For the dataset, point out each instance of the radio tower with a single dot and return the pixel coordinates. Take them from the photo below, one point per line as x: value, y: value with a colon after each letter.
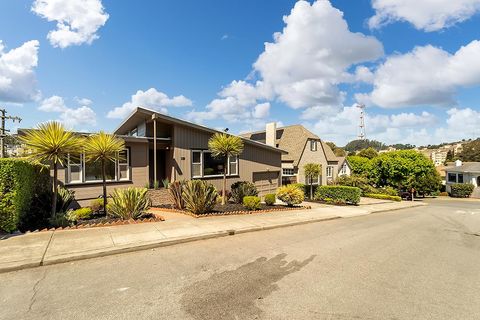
x: 362, y: 135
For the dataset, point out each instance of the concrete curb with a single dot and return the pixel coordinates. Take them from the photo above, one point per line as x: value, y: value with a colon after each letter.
x: 46, y: 260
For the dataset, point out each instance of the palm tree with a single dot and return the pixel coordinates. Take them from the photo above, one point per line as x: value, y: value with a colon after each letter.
x: 224, y: 146
x: 312, y: 170
x: 103, y: 147
x: 51, y: 143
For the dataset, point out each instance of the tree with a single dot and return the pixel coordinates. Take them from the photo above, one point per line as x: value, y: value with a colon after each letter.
x: 425, y: 184
x: 368, y: 153
x: 357, y: 145
x: 360, y: 165
x: 103, y: 148
x: 339, y: 152
x: 471, y: 151
x: 450, y: 156
x: 224, y: 146
x: 312, y: 170
x: 51, y: 143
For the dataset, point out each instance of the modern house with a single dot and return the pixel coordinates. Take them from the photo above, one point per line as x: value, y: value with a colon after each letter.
x: 160, y: 147
x: 464, y: 172
x: 303, y: 147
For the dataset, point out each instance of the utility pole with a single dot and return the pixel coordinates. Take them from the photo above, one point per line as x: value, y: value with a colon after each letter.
x: 362, y: 134
x: 3, y: 131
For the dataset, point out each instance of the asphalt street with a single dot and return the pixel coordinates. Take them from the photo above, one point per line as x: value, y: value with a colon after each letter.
x: 419, y: 263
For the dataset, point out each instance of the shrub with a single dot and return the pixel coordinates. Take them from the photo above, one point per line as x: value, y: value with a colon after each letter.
x: 300, y: 186
x: 200, y: 196
x: 129, y: 203
x: 290, y: 194
x: 228, y: 195
x: 59, y: 220
x: 383, y: 196
x: 389, y: 191
x: 356, y: 180
x: 175, y: 190
x: 242, y: 189
x: 24, y: 195
x: 96, y: 205
x: 461, y: 190
x: 79, y: 214
x: 270, y: 199
x: 251, y: 203
x: 65, y: 198
x: 342, y: 194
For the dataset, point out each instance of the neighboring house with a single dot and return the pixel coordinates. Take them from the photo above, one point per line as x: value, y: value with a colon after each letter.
x: 181, y: 154
x: 344, y: 168
x: 303, y: 147
x: 464, y: 172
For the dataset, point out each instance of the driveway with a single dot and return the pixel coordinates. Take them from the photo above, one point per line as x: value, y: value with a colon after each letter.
x: 418, y: 263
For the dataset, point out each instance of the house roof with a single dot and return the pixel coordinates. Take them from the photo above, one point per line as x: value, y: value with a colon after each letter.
x: 466, y: 167
x: 293, y: 139
x: 342, y: 160
x: 143, y: 114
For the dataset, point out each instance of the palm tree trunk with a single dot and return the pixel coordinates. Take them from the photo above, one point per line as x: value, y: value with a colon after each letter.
x: 311, y: 188
x: 224, y: 181
x: 104, y: 188
x: 54, y: 184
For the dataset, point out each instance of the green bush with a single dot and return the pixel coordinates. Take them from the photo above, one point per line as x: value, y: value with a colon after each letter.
x: 242, y: 189
x: 79, y: 214
x: 383, y: 196
x: 96, y: 205
x: 389, y: 191
x: 290, y: 194
x: 461, y: 190
x: 270, y: 199
x: 341, y: 194
x: 129, y: 203
x: 200, y: 196
x: 24, y: 195
x: 65, y: 198
x: 251, y: 203
x: 175, y: 190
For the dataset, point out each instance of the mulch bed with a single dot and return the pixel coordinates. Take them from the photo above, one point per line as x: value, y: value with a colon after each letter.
x: 233, y: 209
x: 106, y: 222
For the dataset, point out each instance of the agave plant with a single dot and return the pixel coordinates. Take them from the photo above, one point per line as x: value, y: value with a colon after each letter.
x: 200, y: 196
x: 51, y: 143
x: 64, y: 199
x: 175, y: 192
x: 224, y: 146
x: 129, y: 203
x: 103, y: 147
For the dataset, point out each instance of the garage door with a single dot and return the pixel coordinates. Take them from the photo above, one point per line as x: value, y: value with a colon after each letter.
x: 266, y: 182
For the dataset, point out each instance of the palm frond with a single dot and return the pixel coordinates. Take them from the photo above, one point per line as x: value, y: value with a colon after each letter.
x: 103, y: 146
x: 225, y: 145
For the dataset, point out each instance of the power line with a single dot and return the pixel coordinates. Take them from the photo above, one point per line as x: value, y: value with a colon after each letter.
x: 3, y: 131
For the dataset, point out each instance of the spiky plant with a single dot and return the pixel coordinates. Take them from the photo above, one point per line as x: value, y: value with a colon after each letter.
x: 312, y: 170
x: 175, y: 191
x: 50, y: 143
x: 224, y: 146
x: 103, y: 147
x: 129, y: 203
x: 200, y: 196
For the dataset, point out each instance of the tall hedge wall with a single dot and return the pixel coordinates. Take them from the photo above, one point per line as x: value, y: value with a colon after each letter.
x: 24, y: 195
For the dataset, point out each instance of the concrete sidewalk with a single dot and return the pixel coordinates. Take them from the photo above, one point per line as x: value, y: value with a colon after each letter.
x: 50, y: 247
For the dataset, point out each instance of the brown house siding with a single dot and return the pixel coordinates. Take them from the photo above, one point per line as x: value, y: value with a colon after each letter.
x: 252, y: 160
x: 85, y: 192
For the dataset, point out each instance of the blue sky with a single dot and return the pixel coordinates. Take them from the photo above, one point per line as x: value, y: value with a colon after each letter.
x: 89, y: 62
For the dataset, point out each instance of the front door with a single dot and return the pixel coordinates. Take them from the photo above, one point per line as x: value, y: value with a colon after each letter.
x: 161, y: 157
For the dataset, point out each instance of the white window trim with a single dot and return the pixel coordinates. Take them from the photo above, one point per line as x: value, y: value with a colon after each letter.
x: 329, y: 169
x: 313, y: 145
x: 83, y: 170
x: 202, y: 175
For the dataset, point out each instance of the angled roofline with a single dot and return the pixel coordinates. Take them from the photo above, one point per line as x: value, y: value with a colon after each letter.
x: 284, y: 127
x: 192, y: 125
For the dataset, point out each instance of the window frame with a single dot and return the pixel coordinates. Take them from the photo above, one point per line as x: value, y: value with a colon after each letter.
x: 343, y: 170
x: 288, y: 174
x: 452, y: 174
x: 202, y: 161
x: 313, y: 145
x: 329, y: 169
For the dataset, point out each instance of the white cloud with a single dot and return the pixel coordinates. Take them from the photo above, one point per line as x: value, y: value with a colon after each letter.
x: 77, y: 20
x: 53, y: 104
x: 261, y: 110
x: 425, y: 76
x: 83, y: 101
x: 151, y: 99
x: 427, y: 15
x: 460, y: 124
x: 71, y: 117
x: 17, y: 76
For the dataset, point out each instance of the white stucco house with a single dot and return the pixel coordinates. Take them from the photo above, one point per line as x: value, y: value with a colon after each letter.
x: 464, y: 172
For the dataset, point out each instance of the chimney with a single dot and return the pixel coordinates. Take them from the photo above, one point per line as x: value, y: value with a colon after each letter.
x: 271, y: 134
x: 458, y: 163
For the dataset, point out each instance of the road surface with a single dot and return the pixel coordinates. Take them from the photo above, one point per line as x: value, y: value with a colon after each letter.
x: 420, y: 263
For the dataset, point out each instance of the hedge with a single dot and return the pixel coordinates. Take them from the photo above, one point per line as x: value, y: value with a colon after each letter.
x: 383, y: 197
x: 461, y: 190
x: 338, y: 194
x: 24, y: 195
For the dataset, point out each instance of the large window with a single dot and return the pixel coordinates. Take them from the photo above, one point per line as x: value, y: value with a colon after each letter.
x: 205, y: 165
x: 78, y: 171
x: 288, y: 171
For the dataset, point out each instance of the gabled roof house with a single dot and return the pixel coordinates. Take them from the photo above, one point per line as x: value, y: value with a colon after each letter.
x: 160, y: 147
x: 302, y: 147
